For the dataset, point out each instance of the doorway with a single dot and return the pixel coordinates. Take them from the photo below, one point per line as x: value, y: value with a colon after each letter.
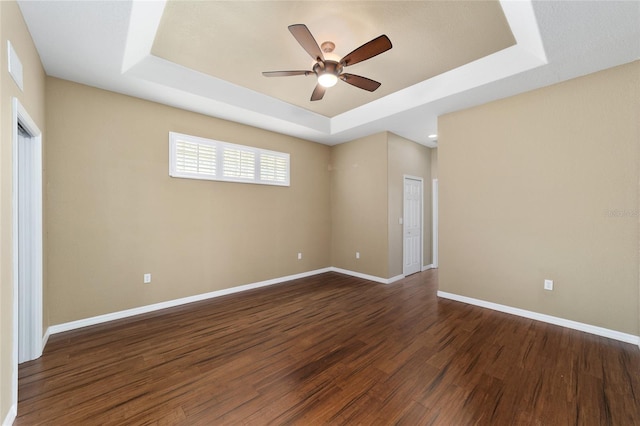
x: 27, y: 239
x: 412, y: 226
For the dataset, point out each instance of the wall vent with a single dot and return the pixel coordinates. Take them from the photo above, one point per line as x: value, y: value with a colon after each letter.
x: 15, y: 66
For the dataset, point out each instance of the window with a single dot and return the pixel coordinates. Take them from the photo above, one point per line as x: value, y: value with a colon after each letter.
x: 199, y: 158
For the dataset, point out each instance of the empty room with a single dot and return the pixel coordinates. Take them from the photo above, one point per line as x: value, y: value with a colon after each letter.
x: 320, y: 212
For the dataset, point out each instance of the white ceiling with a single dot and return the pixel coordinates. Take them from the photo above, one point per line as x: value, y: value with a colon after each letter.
x: 108, y: 44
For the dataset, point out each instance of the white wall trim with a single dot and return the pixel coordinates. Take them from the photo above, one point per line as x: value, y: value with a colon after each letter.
x: 599, y: 331
x: 73, y: 325
x: 11, y: 415
x: 45, y: 338
x: 367, y: 276
x: 59, y: 328
x: 394, y: 279
x: 434, y: 221
x: 427, y: 267
x: 359, y: 275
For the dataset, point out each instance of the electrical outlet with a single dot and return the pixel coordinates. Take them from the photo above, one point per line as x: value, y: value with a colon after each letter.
x: 548, y: 284
x: 357, y: 255
x: 147, y: 278
x: 299, y: 256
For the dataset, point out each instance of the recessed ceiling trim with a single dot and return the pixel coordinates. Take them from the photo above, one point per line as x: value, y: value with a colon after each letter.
x: 143, y: 24
x: 526, y: 54
x: 248, y: 104
x: 495, y: 67
x: 524, y: 26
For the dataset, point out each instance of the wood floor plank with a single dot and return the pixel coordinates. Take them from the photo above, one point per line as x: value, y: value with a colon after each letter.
x: 331, y: 349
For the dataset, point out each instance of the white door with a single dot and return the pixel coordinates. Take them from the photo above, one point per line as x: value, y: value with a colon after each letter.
x: 27, y: 239
x: 412, y: 230
x: 29, y: 248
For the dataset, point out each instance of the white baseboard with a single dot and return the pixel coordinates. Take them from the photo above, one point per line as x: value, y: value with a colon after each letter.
x: 427, y: 267
x: 45, y: 338
x: 599, y: 331
x: 59, y: 328
x: 73, y: 325
x: 11, y: 416
x: 366, y: 276
x: 394, y: 279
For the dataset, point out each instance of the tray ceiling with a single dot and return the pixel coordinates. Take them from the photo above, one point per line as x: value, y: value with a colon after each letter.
x: 236, y: 41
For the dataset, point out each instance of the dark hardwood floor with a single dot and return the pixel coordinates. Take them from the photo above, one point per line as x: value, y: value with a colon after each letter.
x: 331, y: 349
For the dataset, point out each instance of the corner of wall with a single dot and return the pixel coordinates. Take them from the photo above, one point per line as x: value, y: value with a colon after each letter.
x: 359, y: 205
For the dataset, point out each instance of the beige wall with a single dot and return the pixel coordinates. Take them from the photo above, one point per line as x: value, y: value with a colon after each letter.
x: 114, y: 213
x: 13, y: 28
x: 529, y: 190
x: 407, y: 158
x: 359, y: 205
x: 366, y: 202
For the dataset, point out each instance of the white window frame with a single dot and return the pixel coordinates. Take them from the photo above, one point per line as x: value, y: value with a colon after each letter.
x: 219, y: 147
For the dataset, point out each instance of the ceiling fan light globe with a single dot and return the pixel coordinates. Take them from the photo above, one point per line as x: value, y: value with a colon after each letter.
x: 327, y: 80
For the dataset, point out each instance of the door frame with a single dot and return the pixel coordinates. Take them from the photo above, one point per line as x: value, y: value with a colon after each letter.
x: 434, y: 220
x: 34, y: 335
x: 404, y: 179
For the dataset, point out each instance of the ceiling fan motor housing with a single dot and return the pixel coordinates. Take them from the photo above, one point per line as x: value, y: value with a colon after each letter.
x: 327, y: 67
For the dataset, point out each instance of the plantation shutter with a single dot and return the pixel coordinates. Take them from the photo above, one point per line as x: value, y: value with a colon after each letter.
x: 199, y: 158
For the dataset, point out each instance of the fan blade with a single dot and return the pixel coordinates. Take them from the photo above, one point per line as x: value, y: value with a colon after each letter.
x: 306, y: 40
x: 367, y: 51
x: 318, y: 92
x: 285, y: 73
x: 360, y: 82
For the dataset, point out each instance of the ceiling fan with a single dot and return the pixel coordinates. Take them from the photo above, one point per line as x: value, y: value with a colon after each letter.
x: 329, y: 71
